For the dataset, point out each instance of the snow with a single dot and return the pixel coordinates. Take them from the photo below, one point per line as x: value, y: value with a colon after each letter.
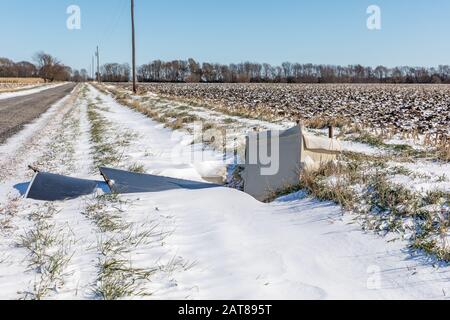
x: 161, y: 151
x: 219, y: 117
x: 221, y: 243
x: 358, y: 147
x: 15, y: 142
x: 425, y: 176
x: 415, y: 144
x: 21, y: 93
x: 238, y: 126
x: 295, y: 249
x: 17, y: 277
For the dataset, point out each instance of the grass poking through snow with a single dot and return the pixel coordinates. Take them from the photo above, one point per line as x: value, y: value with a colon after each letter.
x: 50, y: 252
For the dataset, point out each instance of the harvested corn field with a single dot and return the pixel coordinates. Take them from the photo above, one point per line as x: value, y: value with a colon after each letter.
x: 14, y: 84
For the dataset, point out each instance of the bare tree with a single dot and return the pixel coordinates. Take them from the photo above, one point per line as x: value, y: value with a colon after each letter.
x: 114, y: 72
x: 192, y: 71
x: 50, y: 68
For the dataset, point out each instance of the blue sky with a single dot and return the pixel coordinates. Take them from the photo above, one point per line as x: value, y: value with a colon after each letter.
x: 414, y: 32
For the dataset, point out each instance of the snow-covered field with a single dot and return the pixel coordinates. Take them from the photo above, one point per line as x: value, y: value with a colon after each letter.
x: 405, y: 108
x: 206, y: 244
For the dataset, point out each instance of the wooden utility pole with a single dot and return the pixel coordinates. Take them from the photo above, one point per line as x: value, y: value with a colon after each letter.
x: 330, y: 132
x: 98, y: 66
x: 93, y: 69
x: 134, y: 46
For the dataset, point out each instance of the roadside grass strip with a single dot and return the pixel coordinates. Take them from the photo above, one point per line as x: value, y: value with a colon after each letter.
x: 109, y: 145
x: 50, y: 241
x: 116, y: 240
x: 122, y: 239
x: 50, y: 251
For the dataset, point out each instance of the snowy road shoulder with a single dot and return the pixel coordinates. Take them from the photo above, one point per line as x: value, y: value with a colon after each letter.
x: 27, y: 92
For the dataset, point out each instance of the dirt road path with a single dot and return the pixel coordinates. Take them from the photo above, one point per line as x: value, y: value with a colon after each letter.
x: 16, y: 112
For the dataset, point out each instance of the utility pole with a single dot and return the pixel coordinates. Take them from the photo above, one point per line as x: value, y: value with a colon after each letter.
x: 93, y: 68
x: 134, y: 46
x: 98, y: 67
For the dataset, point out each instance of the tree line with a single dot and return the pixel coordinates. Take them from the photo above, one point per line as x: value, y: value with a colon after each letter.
x: 45, y: 66
x: 51, y: 69
x: 115, y: 72
x: 287, y: 72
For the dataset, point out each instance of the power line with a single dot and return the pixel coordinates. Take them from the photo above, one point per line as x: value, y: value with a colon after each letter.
x: 112, y: 24
x: 108, y: 31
